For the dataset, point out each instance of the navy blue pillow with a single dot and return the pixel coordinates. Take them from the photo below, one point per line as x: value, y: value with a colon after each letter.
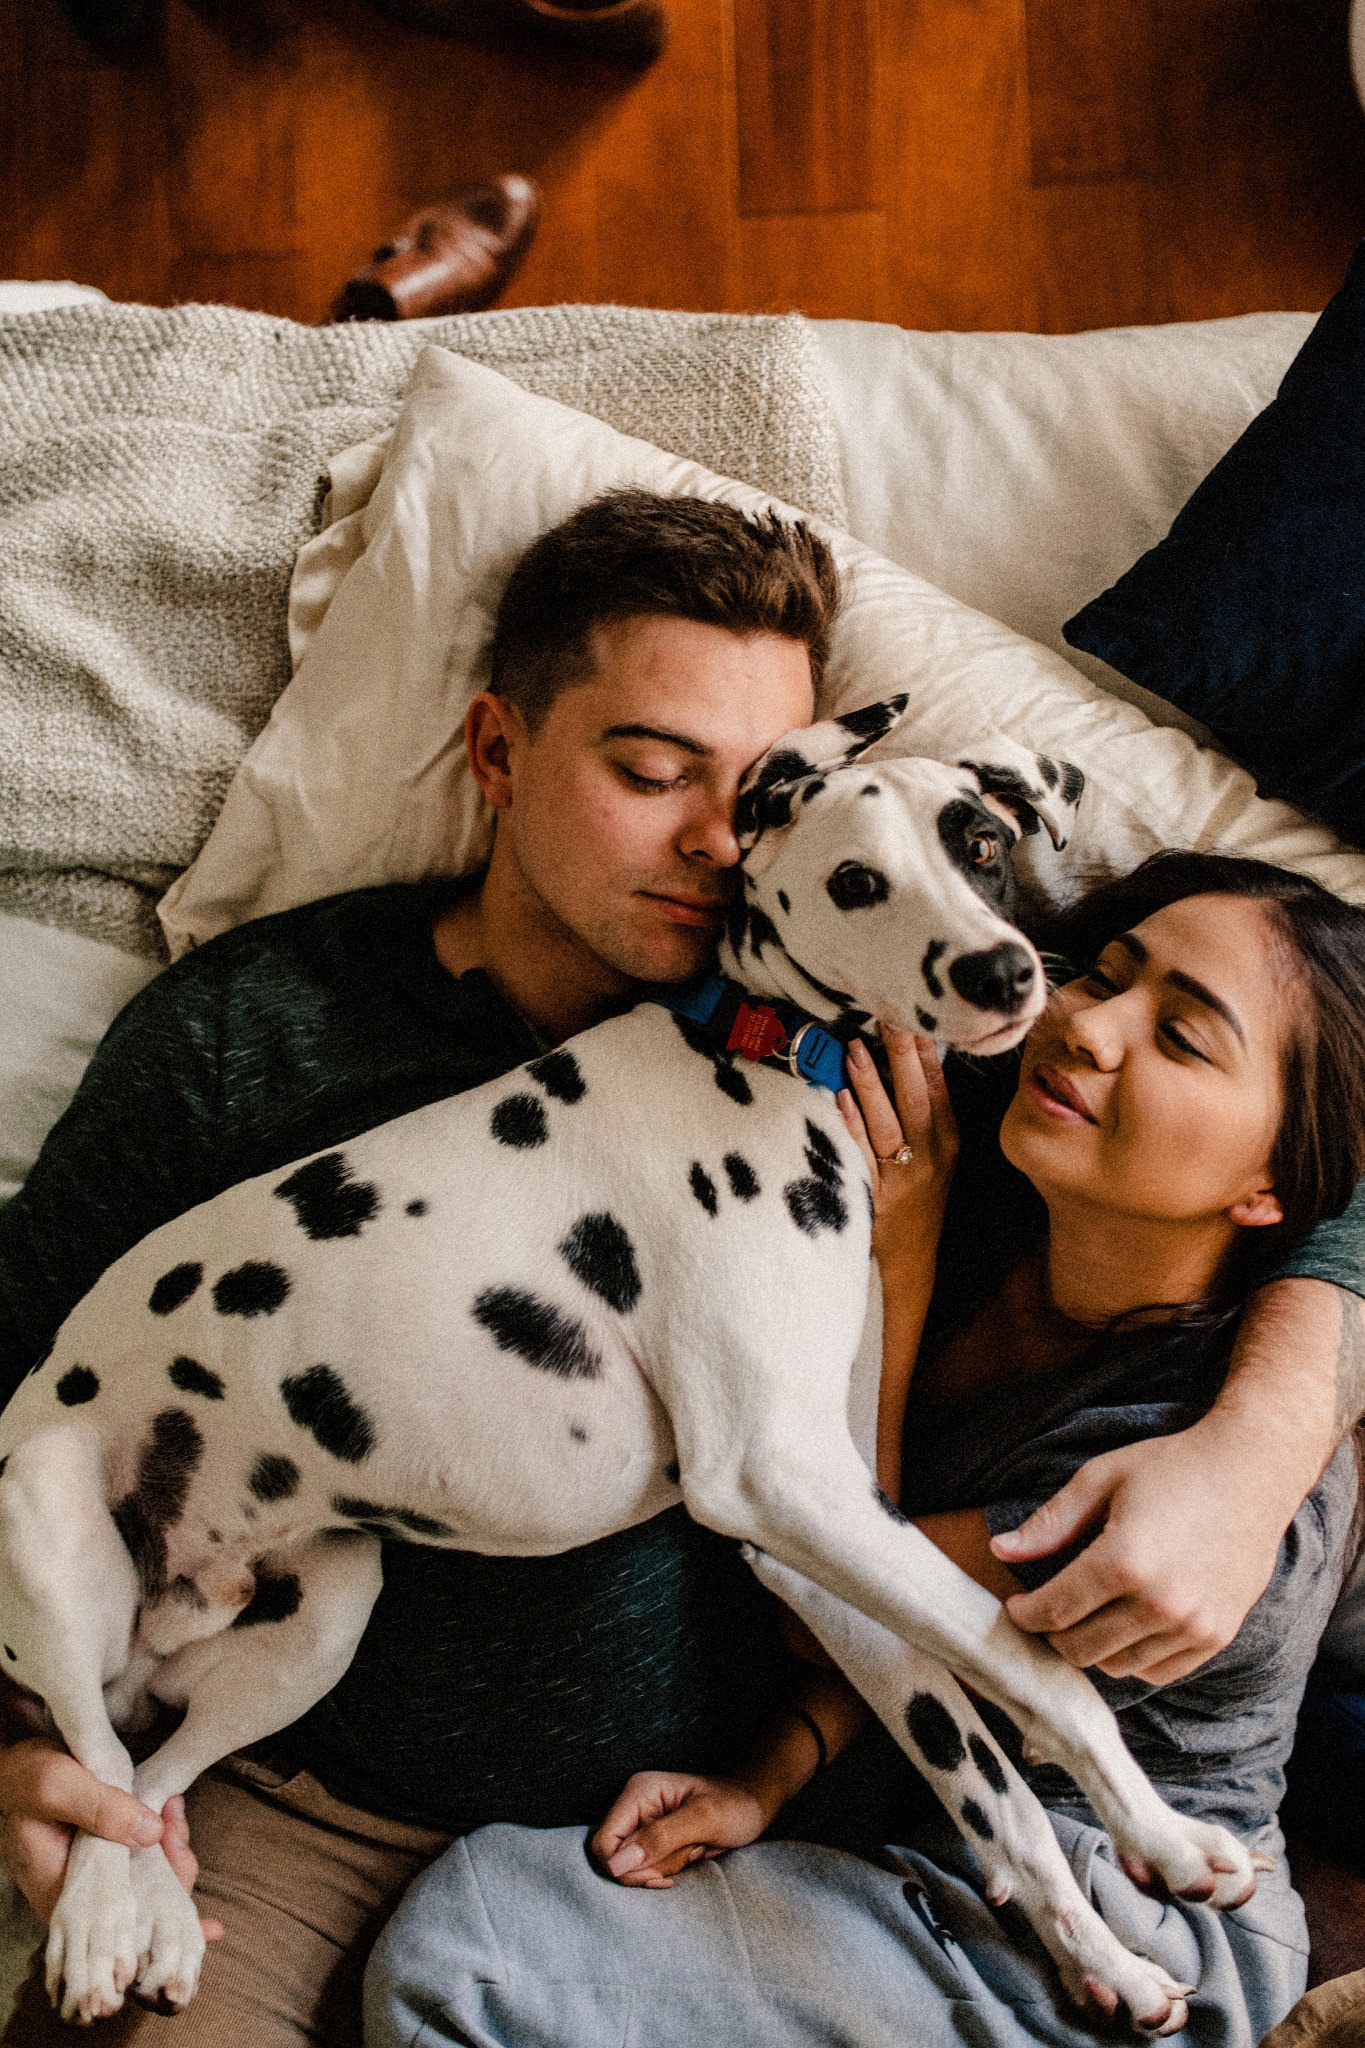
x: 1251, y: 613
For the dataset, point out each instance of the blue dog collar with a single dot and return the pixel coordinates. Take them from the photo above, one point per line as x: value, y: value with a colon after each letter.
x: 761, y: 1028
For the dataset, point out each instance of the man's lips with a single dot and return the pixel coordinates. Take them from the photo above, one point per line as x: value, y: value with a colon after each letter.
x: 691, y: 910
x: 1058, y: 1097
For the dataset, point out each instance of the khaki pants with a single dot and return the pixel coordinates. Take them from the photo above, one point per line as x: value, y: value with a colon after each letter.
x: 1330, y: 2016
x: 302, y: 1883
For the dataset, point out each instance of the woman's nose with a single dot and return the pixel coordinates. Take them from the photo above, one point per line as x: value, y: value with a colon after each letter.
x: 1095, y: 1029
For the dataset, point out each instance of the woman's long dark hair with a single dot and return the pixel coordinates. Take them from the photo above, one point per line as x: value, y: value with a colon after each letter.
x: 1319, y: 1151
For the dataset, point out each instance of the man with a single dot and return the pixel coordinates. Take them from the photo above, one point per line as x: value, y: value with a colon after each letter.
x: 647, y: 652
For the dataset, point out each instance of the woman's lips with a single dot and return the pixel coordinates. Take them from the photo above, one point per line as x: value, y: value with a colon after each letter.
x: 1056, y: 1097
x: 687, y: 909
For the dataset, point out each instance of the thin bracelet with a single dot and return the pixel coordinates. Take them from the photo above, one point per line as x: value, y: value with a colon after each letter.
x: 814, y: 1727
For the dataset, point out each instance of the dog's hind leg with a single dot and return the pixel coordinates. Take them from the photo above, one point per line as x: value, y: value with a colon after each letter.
x: 278, y: 1658
x: 68, y: 1600
x: 934, y: 1722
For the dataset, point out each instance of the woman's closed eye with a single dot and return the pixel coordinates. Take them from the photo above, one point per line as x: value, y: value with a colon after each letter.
x: 1175, y: 1036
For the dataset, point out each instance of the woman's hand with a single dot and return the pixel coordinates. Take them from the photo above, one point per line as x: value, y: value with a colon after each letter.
x: 665, y: 1820
x: 908, y: 1195
x: 45, y: 1796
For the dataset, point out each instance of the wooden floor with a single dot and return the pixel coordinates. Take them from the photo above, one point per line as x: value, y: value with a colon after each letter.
x: 1047, y: 164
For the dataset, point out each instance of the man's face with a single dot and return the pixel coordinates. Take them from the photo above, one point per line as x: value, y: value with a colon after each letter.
x: 621, y: 806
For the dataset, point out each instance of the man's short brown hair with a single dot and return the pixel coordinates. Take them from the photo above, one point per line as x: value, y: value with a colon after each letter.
x: 632, y: 554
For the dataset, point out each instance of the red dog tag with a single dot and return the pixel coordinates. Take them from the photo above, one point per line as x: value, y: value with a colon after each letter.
x: 756, y: 1031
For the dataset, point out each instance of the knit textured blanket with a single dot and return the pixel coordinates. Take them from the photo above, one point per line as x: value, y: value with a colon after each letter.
x: 159, y: 472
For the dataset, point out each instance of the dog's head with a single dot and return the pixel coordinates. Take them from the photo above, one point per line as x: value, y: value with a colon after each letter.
x: 885, y: 889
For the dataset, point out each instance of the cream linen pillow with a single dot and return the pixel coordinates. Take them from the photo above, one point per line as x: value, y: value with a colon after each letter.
x: 360, y: 776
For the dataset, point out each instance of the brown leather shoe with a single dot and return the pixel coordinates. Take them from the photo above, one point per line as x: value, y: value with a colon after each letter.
x: 453, y: 257
x: 628, y: 31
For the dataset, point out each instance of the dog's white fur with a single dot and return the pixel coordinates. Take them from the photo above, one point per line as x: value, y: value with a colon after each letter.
x: 496, y: 1322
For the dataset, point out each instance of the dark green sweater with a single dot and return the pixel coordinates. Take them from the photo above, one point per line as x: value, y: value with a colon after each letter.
x: 485, y: 1688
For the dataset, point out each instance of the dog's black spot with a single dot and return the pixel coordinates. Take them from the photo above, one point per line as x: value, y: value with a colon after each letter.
x: 785, y: 900
x: 855, y: 886
x: 737, y: 922
x: 703, y: 1188
x: 328, y: 1200
x: 870, y: 721
x: 935, y: 1733
x: 600, y: 1254
x: 560, y: 1075
x: 988, y: 1763
x: 933, y: 953
x: 193, y: 1378
x: 277, y: 1596
x: 273, y: 1477
x: 3, y: 1462
x: 538, y: 1332
x: 77, y: 1385
x: 870, y: 789
x: 979, y: 847
x: 519, y: 1121
x: 741, y: 1176
x: 728, y: 1079
x: 1073, y: 783
x: 673, y: 1471
x: 174, y: 1289
x: 815, y: 1206
x: 417, y: 1208
x: 975, y: 1819
x: 926, y: 1019
x: 578, y: 1433
x: 762, y: 931
x: 1047, y: 768
x: 763, y: 803
x: 731, y: 1082
x: 13, y: 1655
x: 382, y: 1521
x: 256, y: 1288
x: 888, y: 1506
x: 822, y: 1155
x: 166, y: 1463
x: 814, y: 788
x: 1009, y: 784
x: 318, y: 1401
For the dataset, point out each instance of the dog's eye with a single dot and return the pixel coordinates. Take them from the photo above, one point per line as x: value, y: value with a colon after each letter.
x: 855, y: 887
x: 982, y: 849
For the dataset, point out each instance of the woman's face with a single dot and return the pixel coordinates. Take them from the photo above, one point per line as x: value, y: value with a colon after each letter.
x: 1152, y: 1086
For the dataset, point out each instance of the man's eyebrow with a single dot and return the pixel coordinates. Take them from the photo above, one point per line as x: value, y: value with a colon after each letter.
x: 1177, y: 977
x: 656, y: 732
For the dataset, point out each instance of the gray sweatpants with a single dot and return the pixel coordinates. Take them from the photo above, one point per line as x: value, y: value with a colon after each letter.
x: 512, y: 1940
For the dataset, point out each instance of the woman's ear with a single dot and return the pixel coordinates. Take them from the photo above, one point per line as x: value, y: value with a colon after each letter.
x: 1257, y: 1210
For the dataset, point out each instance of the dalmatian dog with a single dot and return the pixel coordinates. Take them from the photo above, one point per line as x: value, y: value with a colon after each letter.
x: 502, y: 1323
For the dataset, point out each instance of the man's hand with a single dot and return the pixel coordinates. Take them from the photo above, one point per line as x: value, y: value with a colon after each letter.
x: 1189, y: 1526
x: 45, y: 1795
x: 665, y: 1820
x: 1186, y: 1545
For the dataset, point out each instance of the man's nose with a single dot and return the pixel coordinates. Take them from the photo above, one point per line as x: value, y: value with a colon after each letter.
x: 710, y: 836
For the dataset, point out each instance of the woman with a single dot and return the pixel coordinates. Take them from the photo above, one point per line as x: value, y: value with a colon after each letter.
x: 1184, y: 1112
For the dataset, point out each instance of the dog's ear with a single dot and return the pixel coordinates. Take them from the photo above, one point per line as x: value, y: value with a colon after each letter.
x: 797, y: 761
x: 1034, y: 788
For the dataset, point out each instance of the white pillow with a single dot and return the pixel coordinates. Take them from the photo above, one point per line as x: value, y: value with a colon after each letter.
x: 360, y: 776
x: 62, y: 994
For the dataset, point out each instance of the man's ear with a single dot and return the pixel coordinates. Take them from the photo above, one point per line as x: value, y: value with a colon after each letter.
x: 1258, y: 1210
x: 771, y: 787
x: 1033, y: 787
x: 492, y: 729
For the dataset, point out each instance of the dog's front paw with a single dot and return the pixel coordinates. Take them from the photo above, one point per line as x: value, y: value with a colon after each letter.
x: 170, y: 1939
x: 1195, y: 1860
x: 1154, y: 2001
x: 92, y: 1945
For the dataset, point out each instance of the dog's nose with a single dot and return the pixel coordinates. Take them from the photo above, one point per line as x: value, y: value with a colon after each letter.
x: 1001, y: 979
